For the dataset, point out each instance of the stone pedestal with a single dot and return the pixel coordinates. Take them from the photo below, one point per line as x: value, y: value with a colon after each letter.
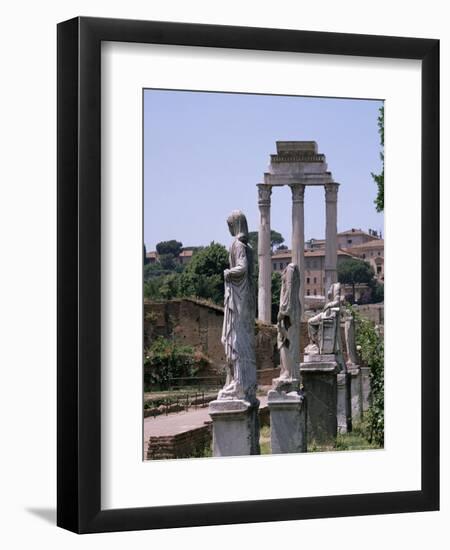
x: 344, y: 416
x: 365, y: 388
x: 287, y: 419
x: 235, y: 427
x: 319, y: 378
x: 356, y: 400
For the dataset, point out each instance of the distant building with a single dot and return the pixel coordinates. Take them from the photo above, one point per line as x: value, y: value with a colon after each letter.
x: 152, y: 257
x: 346, y: 239
x: 372, y: 252
x: 184, y: 257
x: 314, y: 267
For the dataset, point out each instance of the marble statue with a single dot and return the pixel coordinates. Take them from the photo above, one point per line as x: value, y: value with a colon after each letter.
x: 323, y: 328
x: 288, y: 325
x: 350, y: 342
x: 238, y: 333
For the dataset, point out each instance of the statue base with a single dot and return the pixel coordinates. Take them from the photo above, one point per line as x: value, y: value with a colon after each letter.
x: 344, y: 414
x: 354, y: 372
x: 287, y: 421
x: 319, y: 378
x: 235, y: 427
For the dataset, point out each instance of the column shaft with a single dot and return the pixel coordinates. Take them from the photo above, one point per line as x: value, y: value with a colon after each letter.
x: 331, y: 191
x: 264, y: 255
x: 298, y: 236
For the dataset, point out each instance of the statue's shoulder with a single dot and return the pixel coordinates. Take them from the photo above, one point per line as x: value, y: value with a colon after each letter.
x: 238, y: 245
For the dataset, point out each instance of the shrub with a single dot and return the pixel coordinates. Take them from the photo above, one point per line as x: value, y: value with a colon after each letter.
x: 372, y: 353
x: 165, y: 360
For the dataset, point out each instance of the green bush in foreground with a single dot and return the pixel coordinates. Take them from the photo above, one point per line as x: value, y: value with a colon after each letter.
x: 166, y: 360
x: 371, y: 349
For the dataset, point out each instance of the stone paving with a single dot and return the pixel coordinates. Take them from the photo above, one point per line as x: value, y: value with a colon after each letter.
x: 175, y: 423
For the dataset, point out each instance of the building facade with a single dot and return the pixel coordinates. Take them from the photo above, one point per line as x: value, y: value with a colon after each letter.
x: 373, y: 253
x: 314, y: 267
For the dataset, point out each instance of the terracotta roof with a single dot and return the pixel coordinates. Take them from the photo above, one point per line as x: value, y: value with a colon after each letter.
x: 186, y: 253
x: 356, y: 232
x: 151, y: 254
x: 377, y: 243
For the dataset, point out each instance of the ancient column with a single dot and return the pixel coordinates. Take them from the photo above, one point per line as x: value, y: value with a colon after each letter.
x: 298, y: 236
x: 264, y: 255
x: 331, y: 190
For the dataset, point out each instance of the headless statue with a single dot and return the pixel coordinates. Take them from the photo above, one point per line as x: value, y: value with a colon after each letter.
x: 288, y: 325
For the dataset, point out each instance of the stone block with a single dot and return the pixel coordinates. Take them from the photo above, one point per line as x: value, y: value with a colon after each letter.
x: 319, y: 378
x: 356, y: 399
x: 287, y: 422
x: 344, y: 416
x: 235, y: 427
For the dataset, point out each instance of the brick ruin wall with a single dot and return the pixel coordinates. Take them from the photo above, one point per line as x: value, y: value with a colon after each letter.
x: 199, y: 324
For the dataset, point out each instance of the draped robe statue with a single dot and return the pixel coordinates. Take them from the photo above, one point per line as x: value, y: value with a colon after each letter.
x: 288, y: 325
x: 238, y: 333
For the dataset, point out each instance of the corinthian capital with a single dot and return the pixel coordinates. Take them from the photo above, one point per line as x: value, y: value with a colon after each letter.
x: 331, y: 191
x: 298, y: 192
x: 264, y: 192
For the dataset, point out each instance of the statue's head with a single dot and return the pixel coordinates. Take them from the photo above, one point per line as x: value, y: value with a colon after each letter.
x: 237, y: 224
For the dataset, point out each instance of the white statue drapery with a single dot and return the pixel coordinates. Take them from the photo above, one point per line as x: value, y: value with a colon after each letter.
x: 238, y: 333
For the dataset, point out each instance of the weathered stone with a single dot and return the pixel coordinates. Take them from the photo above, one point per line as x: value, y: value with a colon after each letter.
x: 366, y: 389
x: 235, y: 412
x: 288, y: 323
x: 344, y: 415
x: 331, y: 190
x: 319, y: 379
x: 350, y: 340
x: 287, y: 422
x: 296, y: 164
x: 356, y: 393
x: 298, y: 236
x: 235, y: 427
x: 264, y: 255
x: 238, y: 334
x: 324, y: 328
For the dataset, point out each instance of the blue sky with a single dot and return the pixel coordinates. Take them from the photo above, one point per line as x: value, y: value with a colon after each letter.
x: 205, y: 152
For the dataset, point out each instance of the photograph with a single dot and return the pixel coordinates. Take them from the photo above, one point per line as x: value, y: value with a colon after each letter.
x: 263, y: 274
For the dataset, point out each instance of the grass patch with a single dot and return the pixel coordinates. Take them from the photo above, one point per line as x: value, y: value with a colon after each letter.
x: 264, y: 440
x: 352, y: 441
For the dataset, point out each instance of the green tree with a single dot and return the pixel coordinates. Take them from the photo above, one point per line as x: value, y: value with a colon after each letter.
x: 276, y: 239
x: 203, y: 276
x: 170, y: 286
x: 353, y: 271
x: 146, y: 260
x: 276, y: 289
x: 169, y: 247
x: 379, y: 178
x: 167, y: 261
x: 378, y: 293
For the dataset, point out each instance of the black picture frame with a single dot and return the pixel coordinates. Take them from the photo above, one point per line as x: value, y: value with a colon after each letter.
x: 79, y: 276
